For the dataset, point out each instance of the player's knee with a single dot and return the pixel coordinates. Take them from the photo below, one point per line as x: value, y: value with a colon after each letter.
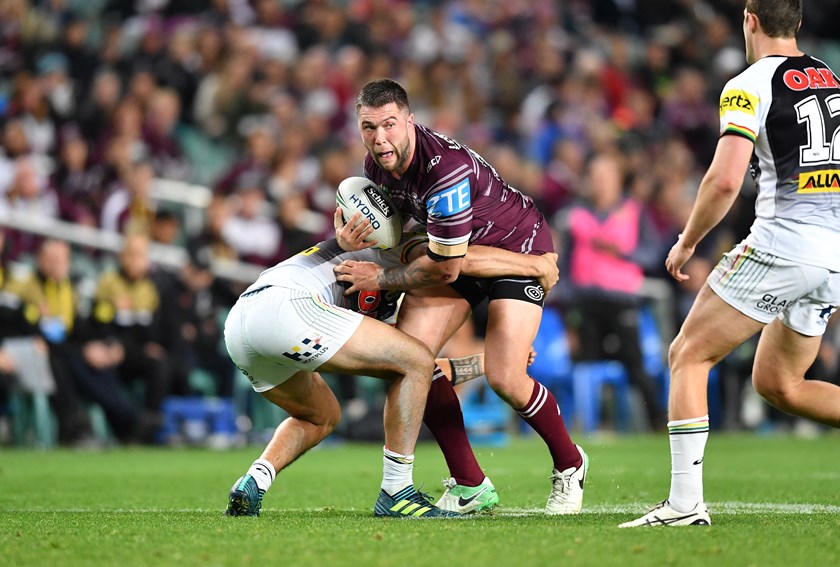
x: 775, y: 394
x: 328, y: 418
x: 502, y: 383
x: 415, y: 355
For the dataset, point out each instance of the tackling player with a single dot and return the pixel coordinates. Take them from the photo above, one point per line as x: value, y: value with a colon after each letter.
x: 461, y: 200
x: 781, y: 116
x: 295, y: 321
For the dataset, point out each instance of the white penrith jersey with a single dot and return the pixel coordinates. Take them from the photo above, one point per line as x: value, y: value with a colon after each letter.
x: 312, y: 271
x: 790, y: 108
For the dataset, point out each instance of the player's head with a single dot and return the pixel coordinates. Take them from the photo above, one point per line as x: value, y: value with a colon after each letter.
x: 386, y: 124
x: 776, y: 19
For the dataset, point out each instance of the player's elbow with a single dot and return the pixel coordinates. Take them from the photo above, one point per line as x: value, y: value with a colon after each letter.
x: 724, y: 183
x: 448, y: 271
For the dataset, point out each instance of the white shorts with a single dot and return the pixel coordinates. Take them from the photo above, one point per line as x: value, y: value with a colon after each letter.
x: 273, y: 332
x: 765, y: 287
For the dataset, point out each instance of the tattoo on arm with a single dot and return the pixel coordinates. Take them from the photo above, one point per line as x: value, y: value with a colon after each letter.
x: 409, y: 277
x: 467, y: 368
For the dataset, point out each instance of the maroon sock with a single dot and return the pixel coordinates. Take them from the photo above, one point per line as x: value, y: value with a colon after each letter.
x: 543, y: 414
x: 444, y: 419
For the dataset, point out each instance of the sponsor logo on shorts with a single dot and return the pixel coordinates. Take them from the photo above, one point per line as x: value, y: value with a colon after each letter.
x: 738, y: 101
x: 771, y: 303
x: 307, y: 351
x: 534, y: 292
x: 378, y: 201
x: 825, y: 314
x: 449, y: 201
x: 823, y: 181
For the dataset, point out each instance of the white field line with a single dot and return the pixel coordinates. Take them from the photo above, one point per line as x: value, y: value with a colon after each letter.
x: 730, y: 508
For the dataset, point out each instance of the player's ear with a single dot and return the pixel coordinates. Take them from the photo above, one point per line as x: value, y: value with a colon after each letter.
x: 410, y: 120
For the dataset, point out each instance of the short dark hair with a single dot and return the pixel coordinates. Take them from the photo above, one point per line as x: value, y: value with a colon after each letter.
x: 380, y: 92
x: 778, y: 18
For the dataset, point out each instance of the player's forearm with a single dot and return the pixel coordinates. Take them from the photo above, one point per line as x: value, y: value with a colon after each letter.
x: 488, y: 262
x: 714, y: 199
x: 422, y: 272
x: 466, y: 368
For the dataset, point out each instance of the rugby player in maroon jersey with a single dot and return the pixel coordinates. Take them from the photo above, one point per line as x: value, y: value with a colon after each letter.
x: 461, y: 200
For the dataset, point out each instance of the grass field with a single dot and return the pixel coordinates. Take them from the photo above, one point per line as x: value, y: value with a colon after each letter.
x: 773, y: 500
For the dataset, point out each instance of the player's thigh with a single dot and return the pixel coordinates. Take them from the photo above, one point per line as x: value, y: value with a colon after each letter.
x: 432, y: 315
x: 379, y: 350
x: 511, y: 328
x: 712, y: 329
x: 789, y: 345
x: 306, y: 396
x: 782, y: 358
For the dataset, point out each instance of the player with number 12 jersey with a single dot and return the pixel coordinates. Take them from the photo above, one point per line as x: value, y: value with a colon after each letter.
x: 790, y: 108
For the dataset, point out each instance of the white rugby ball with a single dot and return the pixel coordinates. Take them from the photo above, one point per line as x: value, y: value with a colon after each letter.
x: 359, y: 194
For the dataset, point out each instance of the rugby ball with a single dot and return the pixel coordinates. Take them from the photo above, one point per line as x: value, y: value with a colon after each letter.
x: 359, y: 194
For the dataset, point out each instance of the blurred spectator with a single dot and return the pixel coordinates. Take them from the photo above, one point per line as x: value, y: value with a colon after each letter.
x: 159, y: 134
x: 43, y: 305
x: 126, y: 316
x: 256, y: 163
x: 212, y: 239
x: 130, y: 207
x: 250, y: 231
x: 193, y: 304
x: 31, y: 197
x: 609, y: 245
x: 78, y: 186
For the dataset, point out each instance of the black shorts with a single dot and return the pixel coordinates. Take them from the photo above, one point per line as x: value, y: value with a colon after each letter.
x: 475, y: 290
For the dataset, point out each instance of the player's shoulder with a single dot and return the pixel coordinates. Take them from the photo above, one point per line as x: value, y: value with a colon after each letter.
x: 757, y: 75
x: 438, y: 155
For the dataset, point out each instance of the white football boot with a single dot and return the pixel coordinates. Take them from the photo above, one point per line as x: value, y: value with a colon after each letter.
x: 468, y: 499
x: 663, y: 515
x: 567, y: 488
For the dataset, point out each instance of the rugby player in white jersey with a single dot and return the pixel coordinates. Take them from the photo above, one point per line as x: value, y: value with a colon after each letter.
x: 295, y: 321
x: 781, y: 117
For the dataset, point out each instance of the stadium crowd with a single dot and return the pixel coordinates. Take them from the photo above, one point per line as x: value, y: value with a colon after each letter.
x: 254, y: 99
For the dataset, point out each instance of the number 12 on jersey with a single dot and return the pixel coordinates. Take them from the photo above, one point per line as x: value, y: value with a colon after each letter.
x: 820, y: 149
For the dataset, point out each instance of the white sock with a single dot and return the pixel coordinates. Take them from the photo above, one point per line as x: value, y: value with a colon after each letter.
x: 396, y: 471
x: 264, y: 473
x: 688, y: 443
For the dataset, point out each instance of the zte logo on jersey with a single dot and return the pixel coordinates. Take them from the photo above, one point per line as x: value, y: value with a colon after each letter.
x: 739, y: 101
x: 810, y: 78
x: 450, y: 201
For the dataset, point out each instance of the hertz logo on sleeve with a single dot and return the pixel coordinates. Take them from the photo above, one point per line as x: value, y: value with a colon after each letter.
x: 823, y: 181
x: 738, y: 101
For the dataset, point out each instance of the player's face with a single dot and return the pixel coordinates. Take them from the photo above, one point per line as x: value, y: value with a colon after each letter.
x: 386, y: 133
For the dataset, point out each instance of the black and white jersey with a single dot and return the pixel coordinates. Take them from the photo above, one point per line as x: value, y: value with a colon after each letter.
x: 790, y: 108
x: 312, y: 270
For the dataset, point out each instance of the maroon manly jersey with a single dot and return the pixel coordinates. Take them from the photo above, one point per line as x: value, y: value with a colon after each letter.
x: 461, y: 200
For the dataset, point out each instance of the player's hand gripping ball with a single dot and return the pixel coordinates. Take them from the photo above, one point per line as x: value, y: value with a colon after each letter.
x: 359, y: 194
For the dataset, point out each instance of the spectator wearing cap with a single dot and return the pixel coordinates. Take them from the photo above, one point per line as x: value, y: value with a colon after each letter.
x: 56, y: 84
x: 192, y: 300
